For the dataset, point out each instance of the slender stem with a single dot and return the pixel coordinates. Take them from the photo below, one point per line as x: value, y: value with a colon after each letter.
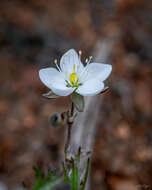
x: 72, y: 109
x: 68, y: 139
x: 69, y: 125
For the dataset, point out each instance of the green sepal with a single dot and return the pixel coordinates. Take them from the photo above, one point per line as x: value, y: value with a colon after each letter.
x: 104, y: 90
x: 50, y: 95
x: 78, y: 101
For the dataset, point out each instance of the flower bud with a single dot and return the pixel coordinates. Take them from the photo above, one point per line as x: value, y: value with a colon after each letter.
x: 56, y: 120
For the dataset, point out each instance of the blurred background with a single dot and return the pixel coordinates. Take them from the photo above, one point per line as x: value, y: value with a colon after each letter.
x: 35, y: 32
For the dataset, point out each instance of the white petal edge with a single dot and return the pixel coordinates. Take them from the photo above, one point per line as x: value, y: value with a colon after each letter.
x: 62, y: 92
x: 69, y: 59
x: 90, y: 88
x: 54, y: 80
x: 98, y: 70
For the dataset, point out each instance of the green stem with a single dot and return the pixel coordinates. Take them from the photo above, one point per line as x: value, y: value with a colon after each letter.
x: 69, y: 125
x: 72, y: 109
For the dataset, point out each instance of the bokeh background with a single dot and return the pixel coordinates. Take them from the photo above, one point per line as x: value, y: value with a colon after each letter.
x: 35, y: 32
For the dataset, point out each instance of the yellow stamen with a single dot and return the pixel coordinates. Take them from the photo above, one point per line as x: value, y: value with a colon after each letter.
x: 73, y: 77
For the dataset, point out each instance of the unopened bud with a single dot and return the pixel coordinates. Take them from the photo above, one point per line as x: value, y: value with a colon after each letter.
x: 56, y: 120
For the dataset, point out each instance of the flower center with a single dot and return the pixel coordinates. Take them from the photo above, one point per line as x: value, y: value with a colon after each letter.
x: 73, y: 79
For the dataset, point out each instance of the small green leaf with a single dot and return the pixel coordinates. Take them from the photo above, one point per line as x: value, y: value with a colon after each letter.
x: 38, y: 179
x: 38, y: 172
x: 78, y: 101
x: 47, y: 181
x: 49, y: 185
x: 50, y: 95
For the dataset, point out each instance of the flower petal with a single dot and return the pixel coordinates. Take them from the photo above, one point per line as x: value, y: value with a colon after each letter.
x: 98, y: 70
x: 47, y: 76
x: 54, y: 80
x: 90, y: 87
x: 62, y: 91
x: 68, y: 60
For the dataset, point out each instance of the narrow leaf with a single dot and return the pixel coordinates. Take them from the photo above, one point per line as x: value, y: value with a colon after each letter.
x: 78, y: 101
x: 75, y: 177
x: 85, y: 175
x: 65, y: 170
x: 49, y: 185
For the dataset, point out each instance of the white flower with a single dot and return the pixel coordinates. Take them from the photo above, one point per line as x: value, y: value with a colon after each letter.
x: 72, y: 76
